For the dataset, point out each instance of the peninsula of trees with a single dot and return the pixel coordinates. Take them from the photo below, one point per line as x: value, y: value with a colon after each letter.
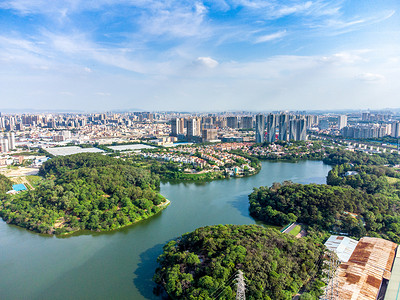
x: 202, y: 264
x: 361, y: 197
x: 84, y: 191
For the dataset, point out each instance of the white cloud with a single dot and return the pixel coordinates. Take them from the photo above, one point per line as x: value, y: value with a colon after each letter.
x: 370, y: 77
x: 288, y: 10
x: 207, y: 61
x: 103, y: 94
x: 270, y: 37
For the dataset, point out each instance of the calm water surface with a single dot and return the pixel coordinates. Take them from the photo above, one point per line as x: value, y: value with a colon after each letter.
x: 120, y: 264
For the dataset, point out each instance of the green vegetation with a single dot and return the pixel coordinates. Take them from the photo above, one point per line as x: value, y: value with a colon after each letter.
x: 5, y: 185
x: 85, y: 191
x: 202, y: 264
x: 328, y: 208
x: 290, y: 151
x: 372, y: 179
x: 339, y: 157
x: 26, y: 153
x: 34, y: 180
x: 364, y: 201
x: 174, y: 171
x: 296, y: 230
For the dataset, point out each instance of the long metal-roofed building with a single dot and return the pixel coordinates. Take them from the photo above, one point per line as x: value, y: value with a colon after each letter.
x: 366, y: 273
x: 342, y: 246
x: 393, y: 289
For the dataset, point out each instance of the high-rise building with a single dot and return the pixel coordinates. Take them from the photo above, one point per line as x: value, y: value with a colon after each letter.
x: 395, y: 130
x: 301, y: 130
x: 260, y: 128
x: 209, y: 134
x: 193, y: 128
x: 365, y: 131
x: 365, y: 116
x: 271, y: 127
x: 297, y: 129
x: 283, y: 127
x: 4, y: 144
x: 11, y: 140
x: 220, y: 122
x: 207, y: 120
x: 309, y: 121
x: 232, y: 122
x: 342, y: 121
x: 323, y: 124
x: 177, y: 126
x: 246, y: 122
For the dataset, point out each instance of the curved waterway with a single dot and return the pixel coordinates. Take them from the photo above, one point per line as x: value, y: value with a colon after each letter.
x: 120, y: 264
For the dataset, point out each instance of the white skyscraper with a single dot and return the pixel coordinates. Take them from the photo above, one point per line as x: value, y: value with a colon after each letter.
x: 342, y: 121
x: 4, y: 145
x: 11, y: 140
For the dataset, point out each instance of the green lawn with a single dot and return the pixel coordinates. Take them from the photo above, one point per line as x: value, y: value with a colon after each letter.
x: 295, y: 231
x: 34, y: 180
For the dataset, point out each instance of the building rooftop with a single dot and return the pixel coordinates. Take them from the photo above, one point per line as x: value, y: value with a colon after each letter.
x: 342, y: 246
x: 371, y: 262
x: 393, y: 289
x: 56, y: 151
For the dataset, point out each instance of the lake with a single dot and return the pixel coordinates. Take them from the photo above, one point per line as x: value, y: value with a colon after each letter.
x: 120, y: 264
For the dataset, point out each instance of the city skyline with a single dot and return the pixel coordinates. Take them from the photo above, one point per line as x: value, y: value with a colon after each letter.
x: 199, y: 55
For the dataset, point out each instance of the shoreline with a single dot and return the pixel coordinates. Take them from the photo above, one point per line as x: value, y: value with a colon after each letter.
x: 161, y: 205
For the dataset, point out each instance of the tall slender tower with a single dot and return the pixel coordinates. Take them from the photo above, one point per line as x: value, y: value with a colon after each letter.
x: 11, y: 140
x: 4, y: 144
x: 283, y: 127
x: 342, y: 121
x: 175, y: 127
x: 271, y: 128
x: 260, y: 128
x: 193, y: 128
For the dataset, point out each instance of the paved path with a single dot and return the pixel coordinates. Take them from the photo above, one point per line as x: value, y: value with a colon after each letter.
x: 290, y: 228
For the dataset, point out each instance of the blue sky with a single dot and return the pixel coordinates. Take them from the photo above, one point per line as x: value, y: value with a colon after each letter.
x: 199, y: 55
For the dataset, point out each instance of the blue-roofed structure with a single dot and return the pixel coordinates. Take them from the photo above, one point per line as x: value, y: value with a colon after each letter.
x: 19, y: 187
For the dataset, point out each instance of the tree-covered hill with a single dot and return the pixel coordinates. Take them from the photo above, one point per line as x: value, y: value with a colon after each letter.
x: 328, y: 208
x: 5, y: 184
x: 202, y: 264
x: 85, y: 191
x: 338, y: 157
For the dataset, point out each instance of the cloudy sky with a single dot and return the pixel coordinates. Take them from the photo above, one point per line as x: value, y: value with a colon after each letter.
x: 199, y: 55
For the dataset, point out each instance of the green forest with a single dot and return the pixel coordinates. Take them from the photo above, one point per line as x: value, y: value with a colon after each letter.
x: 339, y: 157
x: 364, y: 201
x: 5, y: 185
x: 203, y: 264
x: 85, y: 191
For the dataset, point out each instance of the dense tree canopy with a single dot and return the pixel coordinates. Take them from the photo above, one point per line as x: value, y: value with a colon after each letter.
x: 85, y: 191
x: 202, y: 264
x: 370, y: 178
x: 338, y: 157
x: 5, y: 184
x: 334, y: 208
